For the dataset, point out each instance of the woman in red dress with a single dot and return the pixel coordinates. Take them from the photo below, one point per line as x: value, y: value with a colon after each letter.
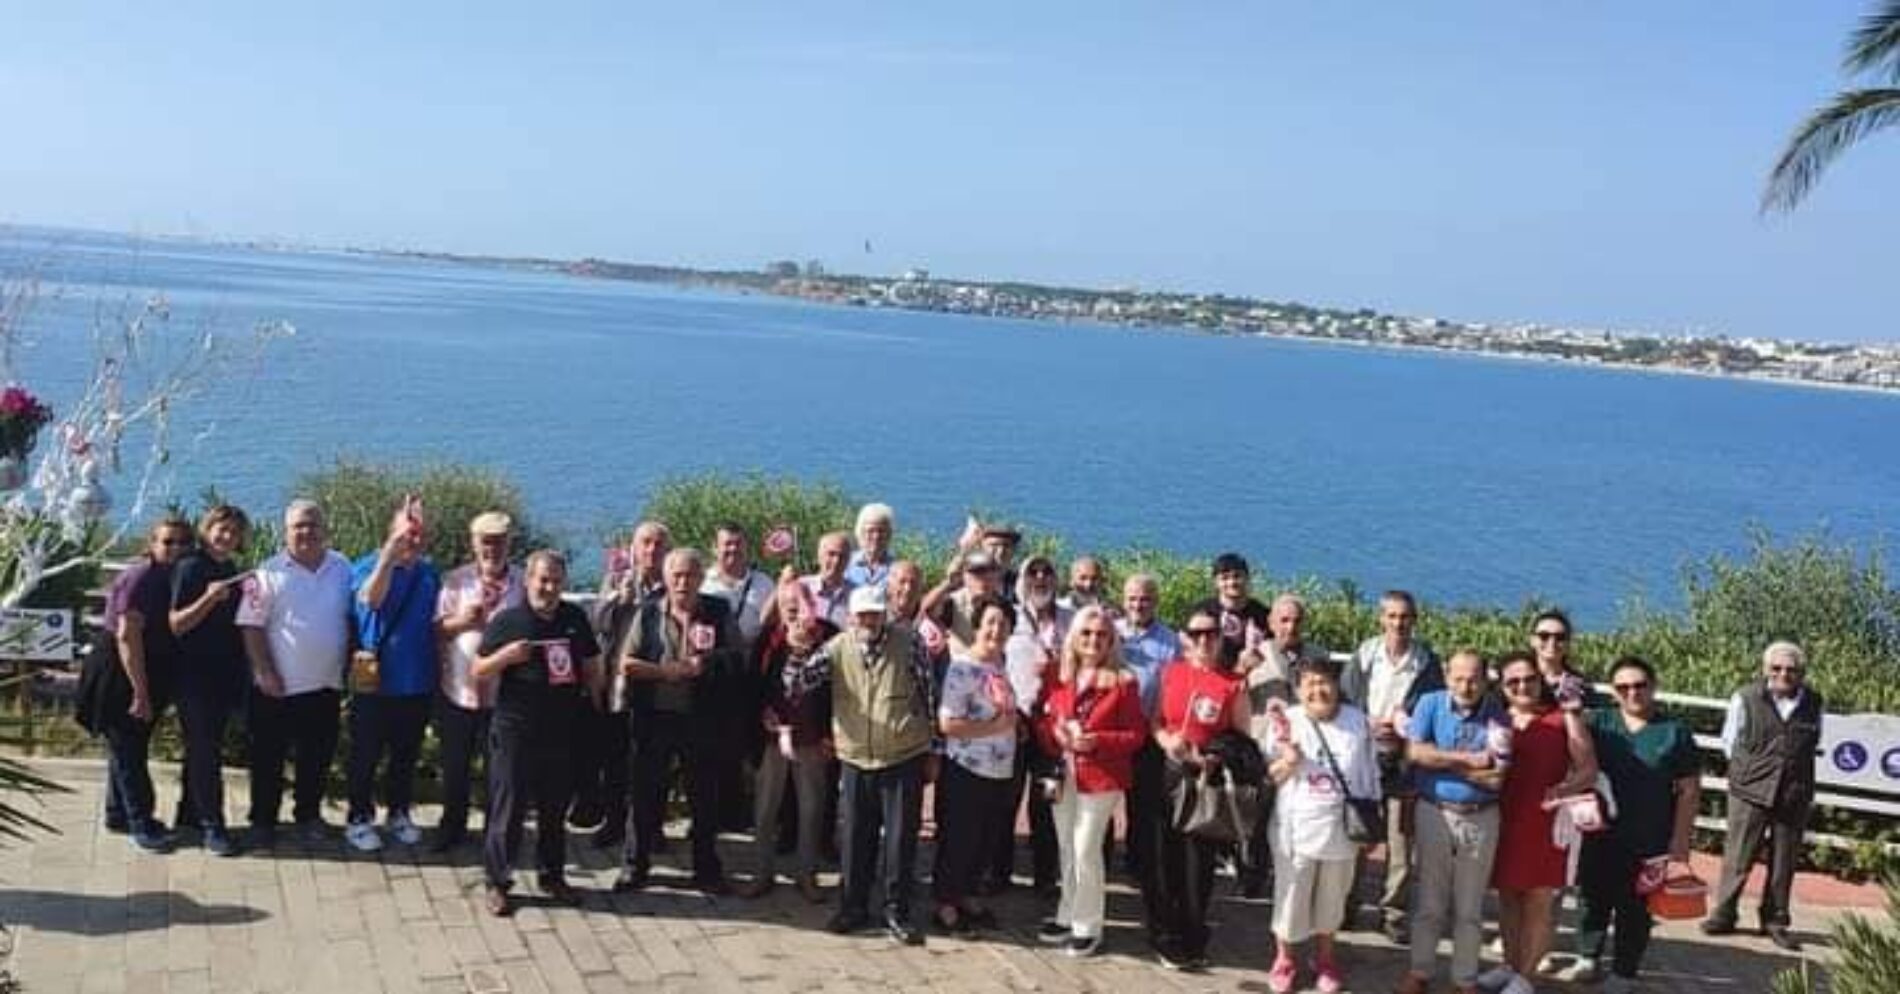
x: 1551, y: 756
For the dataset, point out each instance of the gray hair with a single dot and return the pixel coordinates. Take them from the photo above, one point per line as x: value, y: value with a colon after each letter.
x: 1145, y: 581
x: 1784, y: 650
x: 545, y: 559
x: 301, y: 506
x: 685, y: 554
x: 873, y: 513
x: 1294, y: 600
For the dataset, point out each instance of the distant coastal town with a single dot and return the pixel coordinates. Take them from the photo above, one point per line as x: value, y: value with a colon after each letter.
x: 1862, y: 366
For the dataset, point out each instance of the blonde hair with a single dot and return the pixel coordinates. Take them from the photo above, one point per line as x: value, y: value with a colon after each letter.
x: 1070, y: 662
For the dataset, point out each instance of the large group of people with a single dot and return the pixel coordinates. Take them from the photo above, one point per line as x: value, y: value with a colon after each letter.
x: 840, y: 699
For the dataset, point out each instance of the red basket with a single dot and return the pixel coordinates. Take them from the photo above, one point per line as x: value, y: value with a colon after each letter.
x: 1681, y: 897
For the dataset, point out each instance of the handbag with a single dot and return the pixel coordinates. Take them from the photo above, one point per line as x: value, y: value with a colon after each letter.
x: 1207, y: 806
x: 1365, y: 816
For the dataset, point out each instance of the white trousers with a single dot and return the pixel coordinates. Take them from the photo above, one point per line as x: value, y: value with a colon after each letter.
x: 1081, y: 820
x: 1309, y: 895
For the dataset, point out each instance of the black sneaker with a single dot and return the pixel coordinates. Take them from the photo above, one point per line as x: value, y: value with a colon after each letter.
x: 262, y: 836
x: 1052, y: 932
x: 313, y: 831
x: 631, y: 879
x: 1718, y: 926
x: 847, y: 922
x: 1080, y: 947
x: 118, y: 826
x: 1171, y: 958
x: 1783, y: 939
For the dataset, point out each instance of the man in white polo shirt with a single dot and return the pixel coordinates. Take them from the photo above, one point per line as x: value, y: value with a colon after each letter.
x: 746, y: 590
x: 295, y: 619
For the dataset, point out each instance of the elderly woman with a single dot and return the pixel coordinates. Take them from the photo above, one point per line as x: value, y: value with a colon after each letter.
x: 1200, y: 698
x: 1321, y: 754
x: 1091, y: 719
x: 977, y: 716
x: 870, y: 565
x: 1551, y: 757
x: 797, y: 726
x: 213, y: 674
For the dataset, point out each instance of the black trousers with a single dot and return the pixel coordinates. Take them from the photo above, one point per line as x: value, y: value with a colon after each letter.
x: 659, y: 739
x: 305, y: 724
x: 129, y: 797
x: 883, y: 813
x: 205, y: 714
x: 1748, y: 824
x: 601, y: 772
x: 530, y: 761
x: 1606, y: 873
x: 463, y: 733
x: 1177, y: 880
x: 1045, y: 860
x: 971, y: 831
x: 381, y: 724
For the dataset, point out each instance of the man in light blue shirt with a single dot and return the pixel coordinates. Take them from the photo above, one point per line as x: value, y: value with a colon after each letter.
x: 1459, y: 771
x: 1147, y: 644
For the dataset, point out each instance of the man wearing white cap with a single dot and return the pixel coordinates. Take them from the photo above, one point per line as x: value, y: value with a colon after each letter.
x: 882, y: 720
x: 471, y: 594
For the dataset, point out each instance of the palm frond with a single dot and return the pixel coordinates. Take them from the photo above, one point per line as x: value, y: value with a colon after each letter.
x: 16, y: 778
x: 1820, y: 139
x: 1874, y: 47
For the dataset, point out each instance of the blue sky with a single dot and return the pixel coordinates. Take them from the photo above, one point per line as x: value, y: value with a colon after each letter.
x: 1592, y: 164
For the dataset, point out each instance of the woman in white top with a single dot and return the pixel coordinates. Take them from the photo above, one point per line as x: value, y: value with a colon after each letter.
x: 1311, y: 749
x: 977, y: 715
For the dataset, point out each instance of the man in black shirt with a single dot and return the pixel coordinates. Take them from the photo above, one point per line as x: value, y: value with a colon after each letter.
x: 548, y: 664
x: 1243, y: 619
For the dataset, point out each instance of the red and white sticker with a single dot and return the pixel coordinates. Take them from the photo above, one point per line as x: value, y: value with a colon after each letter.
x: 560, y: 662
x: 780, y: 541
x: 1203, y: 709
x: 701, y: 637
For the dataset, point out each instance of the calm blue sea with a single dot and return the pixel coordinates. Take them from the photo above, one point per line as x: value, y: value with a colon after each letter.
x: 1467, y: 479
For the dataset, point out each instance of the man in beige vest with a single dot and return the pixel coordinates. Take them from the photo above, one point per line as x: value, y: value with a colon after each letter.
x: 882, y: 722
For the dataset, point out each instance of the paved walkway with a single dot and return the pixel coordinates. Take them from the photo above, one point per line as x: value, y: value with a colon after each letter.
x: 90, y: 914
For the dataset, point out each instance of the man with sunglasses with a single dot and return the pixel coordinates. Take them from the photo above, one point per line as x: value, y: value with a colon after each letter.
x: 1772, y: 732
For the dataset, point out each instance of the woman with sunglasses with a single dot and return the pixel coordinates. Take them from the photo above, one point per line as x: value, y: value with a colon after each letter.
x: 1092, y: 719
x: 1200, y: 698
x: 1655, y: 774
x: 1551, y: 757
x: 134, y: 692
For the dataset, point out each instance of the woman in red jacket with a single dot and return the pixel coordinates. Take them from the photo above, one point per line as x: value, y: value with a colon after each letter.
x: 1093, y: 720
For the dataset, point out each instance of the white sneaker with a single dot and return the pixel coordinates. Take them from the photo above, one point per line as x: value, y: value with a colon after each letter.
x: 1496, y: 977
x: 362, y: 836
x: 1517, y: 985
x: 399, y: 825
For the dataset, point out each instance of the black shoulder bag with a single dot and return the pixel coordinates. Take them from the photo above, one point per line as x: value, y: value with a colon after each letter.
x: 1365, y: 816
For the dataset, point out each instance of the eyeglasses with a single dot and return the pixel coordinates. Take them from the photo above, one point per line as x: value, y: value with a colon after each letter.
x: 1523, y: 681
x: 1552, y: 636
x: 1201, y: 633
x: 1041, y: 571
x: 1790, y: 670
x: 1630, y: 688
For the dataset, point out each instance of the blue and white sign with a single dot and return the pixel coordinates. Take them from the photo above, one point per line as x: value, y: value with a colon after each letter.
x: 1860, y: 750
x: 36, y: 635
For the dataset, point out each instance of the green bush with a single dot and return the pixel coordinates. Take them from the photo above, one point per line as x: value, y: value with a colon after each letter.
x: 358, y: 498
x: 694, y: 507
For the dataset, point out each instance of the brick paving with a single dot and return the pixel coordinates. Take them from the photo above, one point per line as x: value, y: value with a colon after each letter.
x: 90, y: 914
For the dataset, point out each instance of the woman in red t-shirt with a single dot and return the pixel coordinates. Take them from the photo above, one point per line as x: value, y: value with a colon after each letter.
x: 1092, y: 719
x: 1551, y: 756
x: 1199, y: 699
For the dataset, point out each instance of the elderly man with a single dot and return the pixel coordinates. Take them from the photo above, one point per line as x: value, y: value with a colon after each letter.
x: 472, y: 594
x: 681, y: 658
x: 295, y: 618
x: 544, y: 657
x: 1085, y: 585
x: 870, y: 565
x: 828, y: 586
x: 1001, y: 541
x: 1243, y: 619
x: 883, y: 708
x: 1770, y: 736
x: 603, y: 772
x: 746, y: 591
x: 393, y: 677
x: 1148, y: 646
x: 1387, y: 675
x: 1449, y: 746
